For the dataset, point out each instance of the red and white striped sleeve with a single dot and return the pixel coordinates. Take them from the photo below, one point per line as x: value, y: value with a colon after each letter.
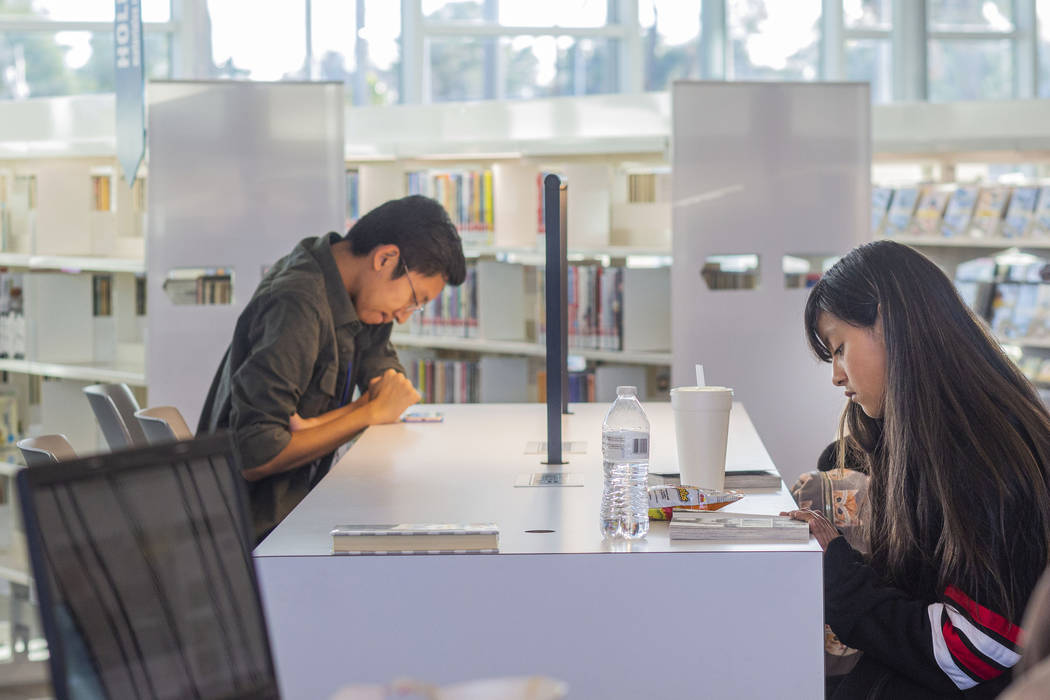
x: 945, y: 646
x: 971, y: 643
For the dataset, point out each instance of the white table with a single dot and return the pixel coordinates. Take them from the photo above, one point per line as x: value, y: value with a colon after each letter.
x: 718, y: 620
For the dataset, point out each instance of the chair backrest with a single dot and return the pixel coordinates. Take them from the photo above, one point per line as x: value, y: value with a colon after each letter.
x: 144, y: 574
x: 114, y: 406
x: 163, y: 424
x: 46, y: 449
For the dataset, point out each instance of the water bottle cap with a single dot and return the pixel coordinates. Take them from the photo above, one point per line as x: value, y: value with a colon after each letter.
x: 626, y: 390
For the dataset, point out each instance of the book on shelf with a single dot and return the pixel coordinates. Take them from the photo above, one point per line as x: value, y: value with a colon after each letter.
x: 880, y: 204
x: 1025, y: 310
x: 466, y: 195
x: 453, y: 313
x: 958, y: 212
x: 902, y: 208
x: 581, y: 386
x: 444, y: 381
x: 1041, y: 217
x: 102, y: 295
x: 594, y: 301
x: 100, y: 187
x: 416, y: 538
x: 988, y: 212
x: 649, y: 187
x: 1039, y: 328
x: 12, y: 316
x: 214, y: 289
x: 1020, y: 211
x: 736, y: 527
x: 929, y: 211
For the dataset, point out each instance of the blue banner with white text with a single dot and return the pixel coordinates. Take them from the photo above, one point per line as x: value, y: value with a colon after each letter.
x: 129, y: 83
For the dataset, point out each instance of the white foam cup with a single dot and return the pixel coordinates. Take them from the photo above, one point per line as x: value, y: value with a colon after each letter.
x: 701, y: 426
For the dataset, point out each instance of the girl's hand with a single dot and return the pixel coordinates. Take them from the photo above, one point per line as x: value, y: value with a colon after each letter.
x: 819, y: 526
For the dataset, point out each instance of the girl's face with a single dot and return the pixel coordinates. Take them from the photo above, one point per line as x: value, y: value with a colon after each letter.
x: 858, y: 361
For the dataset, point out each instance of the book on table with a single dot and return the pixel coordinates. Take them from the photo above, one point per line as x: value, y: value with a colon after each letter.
x: 735, y: 479
x: 416, y: 538
x: 736, y: 527
x: 752, y: 479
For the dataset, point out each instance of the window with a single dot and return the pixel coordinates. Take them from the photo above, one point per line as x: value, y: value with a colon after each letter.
x: 340, y: 41
x: 870, y: 60
x: 484, y: 49
x: 867, y: 14
x: 1043, y: 37
x: 868, y: 50
x: 970, y: 70
x: 87, y: 10
x: 973, y: 15
x: 670, y: 32
x: 51, y: 48
x: 457, y: 69
x: 970, y: 51
x: 773, y: 40
x: 254, y: 45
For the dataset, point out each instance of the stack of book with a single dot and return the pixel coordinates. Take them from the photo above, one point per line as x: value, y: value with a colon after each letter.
x: 735, y: 479
x: 736, y: 527
x: 416, y: 538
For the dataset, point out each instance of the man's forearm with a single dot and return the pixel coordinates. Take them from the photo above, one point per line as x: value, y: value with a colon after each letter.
x: 315, y: 442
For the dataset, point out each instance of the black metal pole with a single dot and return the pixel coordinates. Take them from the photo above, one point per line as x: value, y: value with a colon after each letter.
x: 563, y: 304
x: 556, y: 314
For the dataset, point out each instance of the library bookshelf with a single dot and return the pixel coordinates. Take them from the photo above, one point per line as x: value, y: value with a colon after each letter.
x: 485, y: 163
x: 614, y: 151
x: 993, y: 240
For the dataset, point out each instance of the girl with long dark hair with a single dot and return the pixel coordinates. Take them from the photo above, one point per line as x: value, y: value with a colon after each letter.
x: 957, y: 445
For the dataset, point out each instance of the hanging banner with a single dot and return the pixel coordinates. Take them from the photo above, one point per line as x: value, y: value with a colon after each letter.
x: 129, y: 83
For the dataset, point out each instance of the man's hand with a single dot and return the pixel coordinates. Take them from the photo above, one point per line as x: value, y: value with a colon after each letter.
x: 297, y: 423
x: 391, y: 395
x: 373, y: 385
x: 819, y: 526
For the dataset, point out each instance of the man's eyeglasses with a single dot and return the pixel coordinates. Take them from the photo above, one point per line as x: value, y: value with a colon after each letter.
x: 416, y: 306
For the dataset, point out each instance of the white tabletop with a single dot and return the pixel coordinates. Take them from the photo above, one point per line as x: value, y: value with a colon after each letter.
x: 464, y: 471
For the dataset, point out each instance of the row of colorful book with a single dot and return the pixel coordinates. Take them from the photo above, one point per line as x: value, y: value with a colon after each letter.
x: 445, y: 381
x: 961, y: 211
x: 1013, y: 298
x: 582, y: 387
x: 12, y: 315
x: 12, y: 334
x: 453, y: 313
x: 467, y: 196
x: 594, y: 297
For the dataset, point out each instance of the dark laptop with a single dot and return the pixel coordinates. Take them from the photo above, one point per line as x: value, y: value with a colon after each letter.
x: 144, y: 574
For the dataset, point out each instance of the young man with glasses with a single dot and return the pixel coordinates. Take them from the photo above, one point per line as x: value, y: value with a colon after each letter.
x: 317, y: 328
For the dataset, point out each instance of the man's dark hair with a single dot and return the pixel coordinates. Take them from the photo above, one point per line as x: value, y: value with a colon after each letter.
x: 421, y: 229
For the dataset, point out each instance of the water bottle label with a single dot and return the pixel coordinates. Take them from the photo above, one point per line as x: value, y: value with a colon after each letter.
x: 625, y: 445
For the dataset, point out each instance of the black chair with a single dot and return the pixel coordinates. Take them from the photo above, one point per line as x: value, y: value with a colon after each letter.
x: 144, y: 574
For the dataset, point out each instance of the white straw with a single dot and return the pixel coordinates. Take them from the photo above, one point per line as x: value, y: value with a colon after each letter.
x: 700, y: 376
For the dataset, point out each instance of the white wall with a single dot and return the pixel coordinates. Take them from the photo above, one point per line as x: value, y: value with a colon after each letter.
x: 239, y: 173
x: 772, y: 169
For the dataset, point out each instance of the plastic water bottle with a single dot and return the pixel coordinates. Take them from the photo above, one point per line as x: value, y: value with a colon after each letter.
x: 625, y: 458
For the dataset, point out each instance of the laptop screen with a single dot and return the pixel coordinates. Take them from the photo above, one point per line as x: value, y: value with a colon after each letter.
x: 145, y: 575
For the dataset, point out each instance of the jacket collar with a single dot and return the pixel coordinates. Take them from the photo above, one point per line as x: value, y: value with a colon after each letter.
x: 343, y: 311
